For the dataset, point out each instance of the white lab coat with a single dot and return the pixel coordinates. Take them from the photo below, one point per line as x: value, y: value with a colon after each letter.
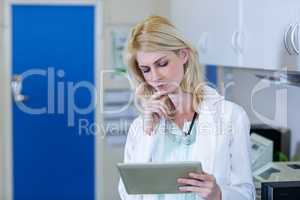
x: 223, y: 147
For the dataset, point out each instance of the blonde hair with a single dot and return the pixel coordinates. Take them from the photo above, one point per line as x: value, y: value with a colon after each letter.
x: 157, y: 33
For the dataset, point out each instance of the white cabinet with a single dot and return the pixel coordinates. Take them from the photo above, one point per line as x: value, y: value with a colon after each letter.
x: 211, y: 25
x: 266, y: 24
x: 243, y: 33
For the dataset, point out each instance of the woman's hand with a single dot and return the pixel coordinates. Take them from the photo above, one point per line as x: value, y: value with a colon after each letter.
x: 203, y: 184
x: 154, y: 108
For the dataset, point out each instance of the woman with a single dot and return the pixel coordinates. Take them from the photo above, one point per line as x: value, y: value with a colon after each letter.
x: 183, y: 119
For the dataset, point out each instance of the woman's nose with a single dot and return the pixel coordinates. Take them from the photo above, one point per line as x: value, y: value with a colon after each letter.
x: 156, y: 75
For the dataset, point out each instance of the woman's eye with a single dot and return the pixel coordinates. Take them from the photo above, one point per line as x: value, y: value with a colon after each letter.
x: 163, y: 64
x: 145, y: 69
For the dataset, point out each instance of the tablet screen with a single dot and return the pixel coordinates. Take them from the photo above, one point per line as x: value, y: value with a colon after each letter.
x: 155, y: 178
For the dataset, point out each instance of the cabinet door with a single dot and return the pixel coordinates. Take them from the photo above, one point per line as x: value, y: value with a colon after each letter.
x: 265, y: 23
x: 212, y: 26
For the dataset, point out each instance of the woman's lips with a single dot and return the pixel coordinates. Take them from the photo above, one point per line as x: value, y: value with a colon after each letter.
x: 161, y: 86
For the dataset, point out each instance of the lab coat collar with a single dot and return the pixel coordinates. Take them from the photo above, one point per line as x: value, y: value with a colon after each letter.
x: 210, y: 98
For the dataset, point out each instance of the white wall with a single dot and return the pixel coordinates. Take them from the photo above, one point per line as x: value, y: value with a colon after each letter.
x: 120, y: 13
x: 276, y: 105
x: 1, y: 102
x: 5, y: 114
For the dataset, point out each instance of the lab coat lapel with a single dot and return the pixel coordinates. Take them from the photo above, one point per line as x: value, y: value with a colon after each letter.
x: 208, y: 126
x: 145, y: 148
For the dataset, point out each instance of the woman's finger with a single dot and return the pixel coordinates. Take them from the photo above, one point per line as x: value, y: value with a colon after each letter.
x: 202, y: 176
x: 150, y: 113
x: 192, y: 182
x: 200, y: 190
x: 157, y: 95
x: 155, y: 106
x: 195, y: 182
x: 159, y: 111
x: 161, y: 105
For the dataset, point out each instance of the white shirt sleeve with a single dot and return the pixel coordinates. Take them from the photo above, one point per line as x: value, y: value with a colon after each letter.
x: 241, y: 183
x: 128, y: 157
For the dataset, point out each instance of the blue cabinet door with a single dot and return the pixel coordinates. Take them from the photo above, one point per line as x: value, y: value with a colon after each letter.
x: 53, y: 50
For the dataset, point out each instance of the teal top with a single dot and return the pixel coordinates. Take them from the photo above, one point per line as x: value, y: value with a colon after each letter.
x: 172, y: 145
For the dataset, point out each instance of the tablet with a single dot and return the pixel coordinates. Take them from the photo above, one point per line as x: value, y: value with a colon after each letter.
x: 155, y: 178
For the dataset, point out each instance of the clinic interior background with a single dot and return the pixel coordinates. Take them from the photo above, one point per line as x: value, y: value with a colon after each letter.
x: 116, y: 18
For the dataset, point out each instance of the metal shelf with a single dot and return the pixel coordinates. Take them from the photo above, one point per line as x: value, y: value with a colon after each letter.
x: 283, y: 77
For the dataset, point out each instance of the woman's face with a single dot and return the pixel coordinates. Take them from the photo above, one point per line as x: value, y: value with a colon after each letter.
x: 163, y: 70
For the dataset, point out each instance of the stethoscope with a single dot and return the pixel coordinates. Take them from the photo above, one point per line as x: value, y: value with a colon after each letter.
x: 192, y: 124
x: 187, y: 138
